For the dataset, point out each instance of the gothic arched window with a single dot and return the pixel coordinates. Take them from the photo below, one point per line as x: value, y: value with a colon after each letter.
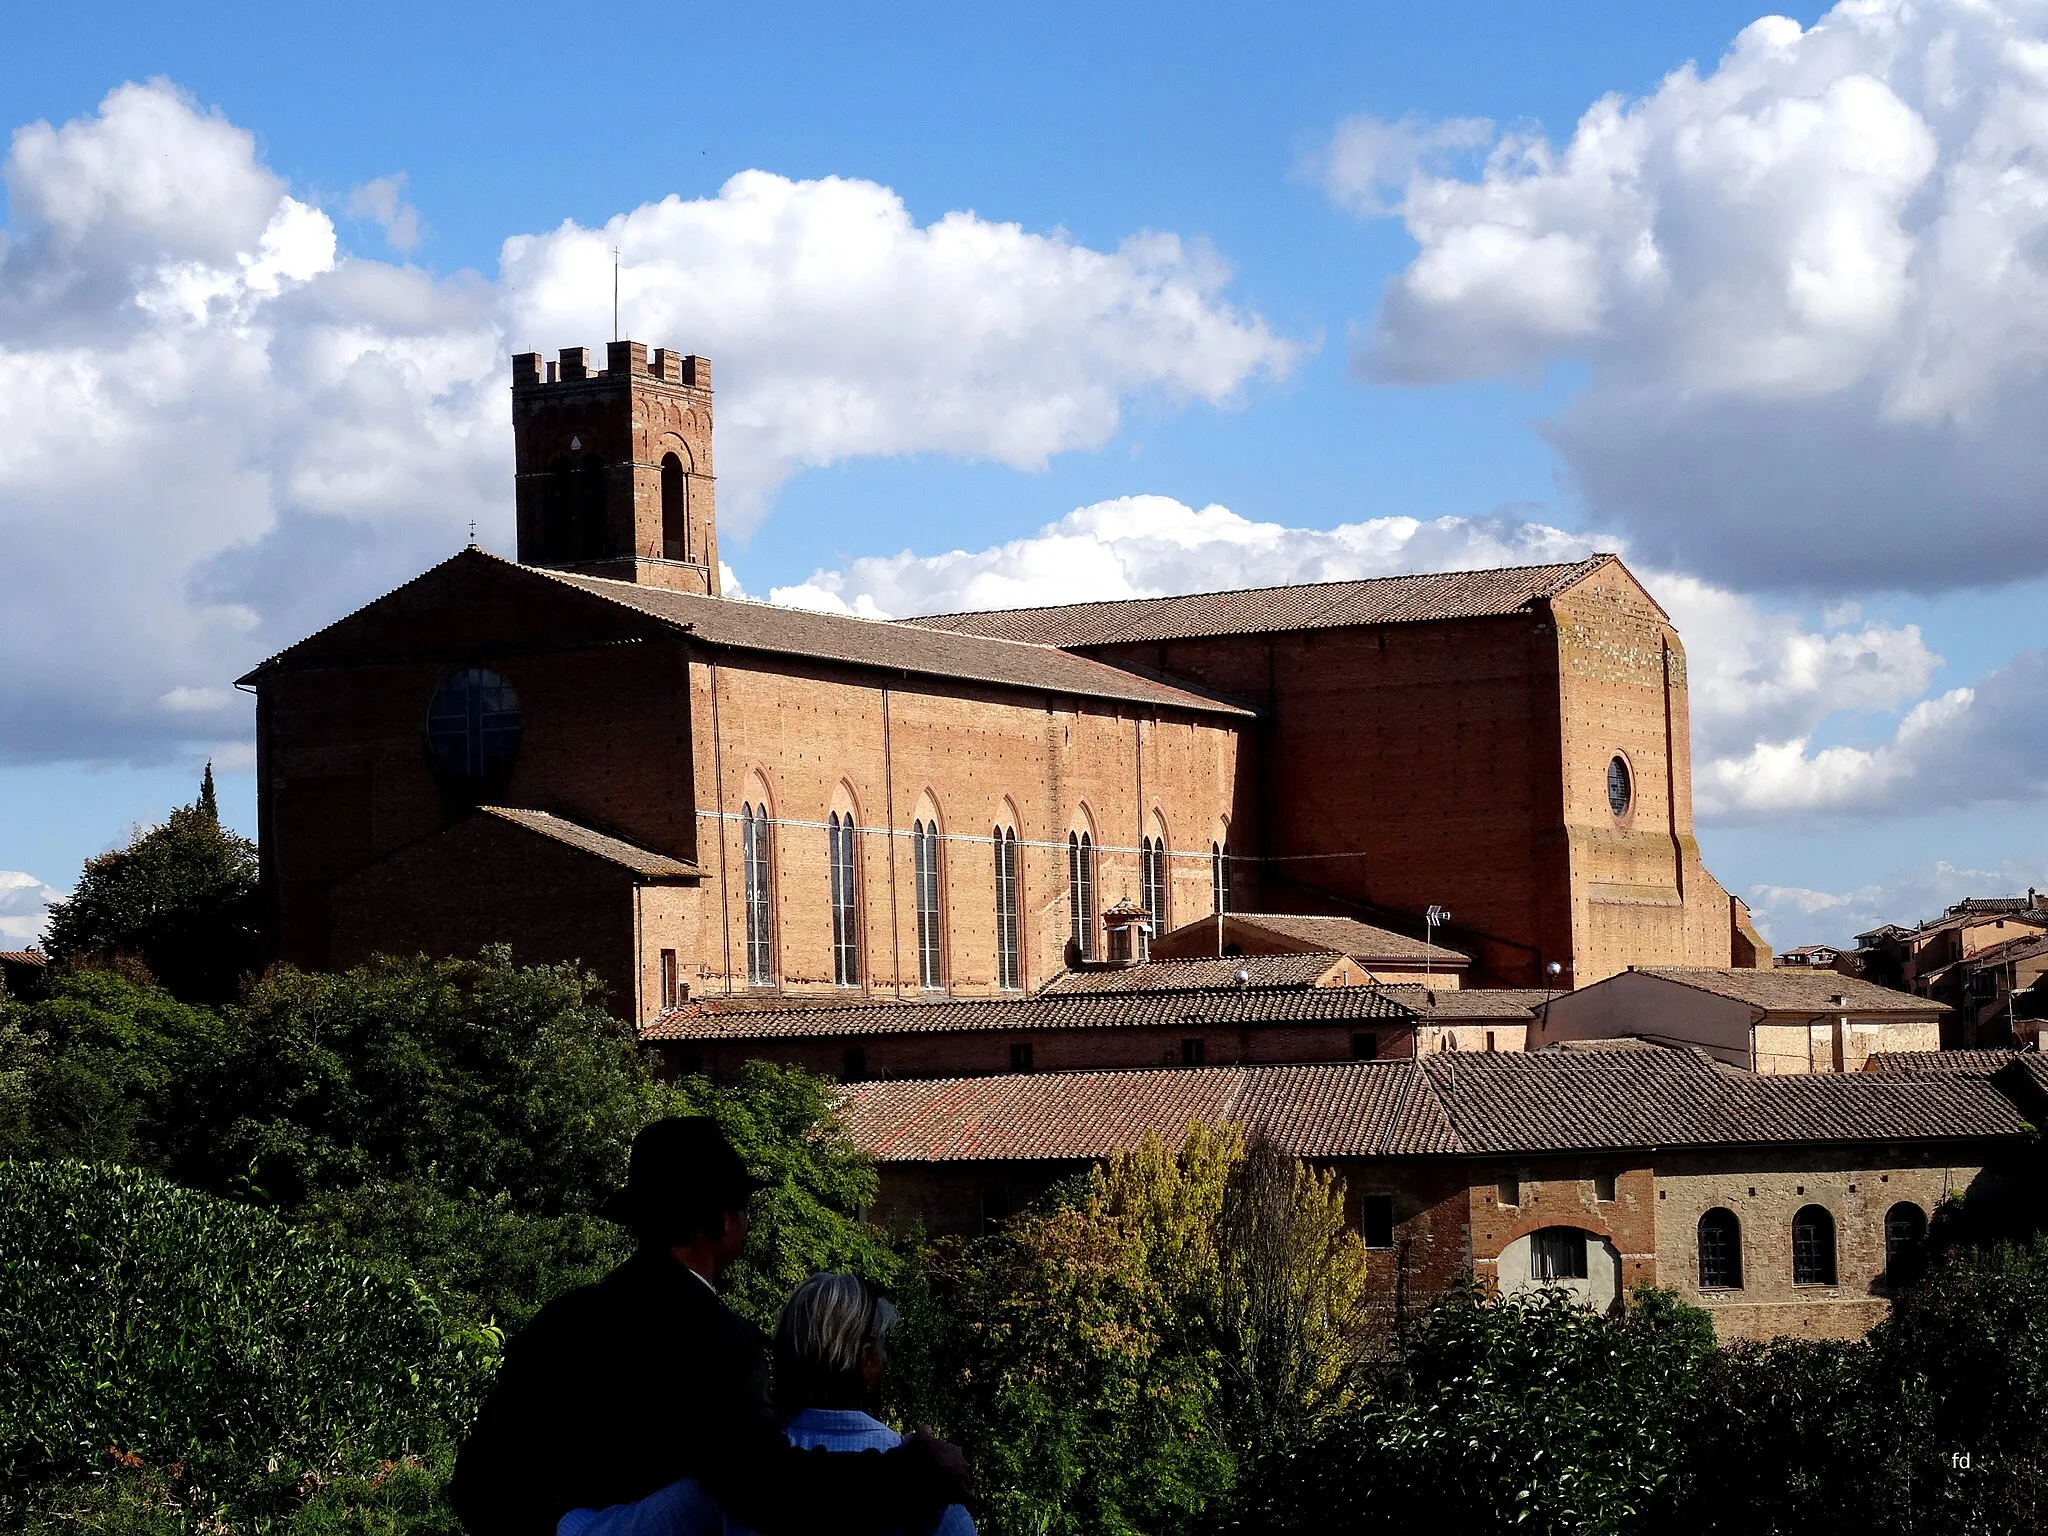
x: 1009, y: 903
x: 754, y: 866
x: 1720, y: 1251
x: 1219, y: 876
x: 839, y: 835
x: 924, y: 858
x: 675, y: 509
x: 1813, y: 1246
x: 1081, y: 892
x: 1152, y: 878
x: 473, y: 725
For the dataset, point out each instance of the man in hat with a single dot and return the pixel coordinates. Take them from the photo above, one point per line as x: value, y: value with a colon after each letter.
x: 623, y: 1388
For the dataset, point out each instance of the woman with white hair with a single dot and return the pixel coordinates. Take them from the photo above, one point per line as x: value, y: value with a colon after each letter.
x: 831, y: 1350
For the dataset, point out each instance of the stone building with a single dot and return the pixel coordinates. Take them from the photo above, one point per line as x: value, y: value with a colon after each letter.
x: 1778, y: 1204
x: 1775, y: 1021
x: 593, y: 755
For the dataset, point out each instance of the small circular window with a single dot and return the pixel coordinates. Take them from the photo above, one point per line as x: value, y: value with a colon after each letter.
x: 1621, y: 789
x: 473, y: 724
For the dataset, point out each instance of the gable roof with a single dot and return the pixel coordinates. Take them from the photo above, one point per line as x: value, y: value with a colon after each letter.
x: 1445, y: 1105
x: 1367, y: 944
x: 1267, y: 610
x: 763, y: 628
x: 24, y: 957
x: 600, y: 845
x: 1980, y: 1063
x: 1791, y: 990
x: 1454, y: 1005
x: 1310, y: 968
x: 712, y: 1020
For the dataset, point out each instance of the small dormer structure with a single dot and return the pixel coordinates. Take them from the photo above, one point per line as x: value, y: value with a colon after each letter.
x: 1130, y: 933
x: 614, y: 467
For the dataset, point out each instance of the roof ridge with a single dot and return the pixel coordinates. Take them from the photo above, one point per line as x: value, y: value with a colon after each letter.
x: 1576, y: 568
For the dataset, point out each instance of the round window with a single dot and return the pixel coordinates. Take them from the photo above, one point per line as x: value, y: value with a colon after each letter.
x: 1620, y: 789
x: 473, y: 724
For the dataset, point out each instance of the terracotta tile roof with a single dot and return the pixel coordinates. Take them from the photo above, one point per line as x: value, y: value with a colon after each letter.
x: 24, y: 957
x: 750, y: 626
x: 1793, y: 991
x: 1444, y: 1105
x: 1297, y: 971
x: 1512, y: 1005
x: 1266, y: 610
x: 1938, y: 1063
x: 1363, y: 942
x: 763, y: 627
x: 2026, y: 947
x: 707, y: 1021
x: 656, y: 866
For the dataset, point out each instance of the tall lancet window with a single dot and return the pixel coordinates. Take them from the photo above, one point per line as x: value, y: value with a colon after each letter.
x: 675, y: 509
x: 754, y: 865
x: 839, y: 834
x: 1219, y: 876
x: 1009, y: 903
x: 1081, y: 891
x: 924, y: 855
x: 1152, y: 876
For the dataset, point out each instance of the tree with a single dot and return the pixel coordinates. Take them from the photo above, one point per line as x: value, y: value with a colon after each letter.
x: 180, y: 900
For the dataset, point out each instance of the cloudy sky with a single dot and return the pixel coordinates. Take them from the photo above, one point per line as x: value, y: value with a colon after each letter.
x: 1042, y: 304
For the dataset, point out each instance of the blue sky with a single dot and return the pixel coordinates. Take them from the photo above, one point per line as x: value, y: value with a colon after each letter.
x: 1833, y: 496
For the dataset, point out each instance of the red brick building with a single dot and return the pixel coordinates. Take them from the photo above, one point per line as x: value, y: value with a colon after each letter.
x: 592, y: 754
x: 1778, y: 1204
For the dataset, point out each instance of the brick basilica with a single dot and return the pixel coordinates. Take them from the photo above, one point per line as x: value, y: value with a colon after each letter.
x: 593, y: 755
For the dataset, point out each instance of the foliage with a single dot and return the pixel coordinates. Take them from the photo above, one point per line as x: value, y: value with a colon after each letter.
x: 173, y: 1331
x: 1053, y: 1355
x: 180, y: 899
x: 782, y: 1123
x: 1522, y: 1412
x: 23, y: 1058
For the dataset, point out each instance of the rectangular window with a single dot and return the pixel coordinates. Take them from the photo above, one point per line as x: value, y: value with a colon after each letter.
x: 1508, y: 1192
x: 1365, y: 1047
x: 1020, y: 1056
x: 1603, y: 1185
x: 1557, y: 1253
x: 670, y: 981
x: 1009, y: 945
x: 839, y: 841
x: 755, y: 875
x: 924, y: 851
x: 856, y: 1066
x: 1192, y: 1052
x: 1489, y: 1039
x: 1376, y: 1220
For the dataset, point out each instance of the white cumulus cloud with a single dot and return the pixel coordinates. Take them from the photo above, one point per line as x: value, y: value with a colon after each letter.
x: 1793, y: 914
x: 219, y: 428
x: 24, y: 908
x: 1809, y: 286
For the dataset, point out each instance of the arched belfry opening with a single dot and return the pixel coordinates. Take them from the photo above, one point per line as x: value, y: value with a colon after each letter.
x: 613, y: 466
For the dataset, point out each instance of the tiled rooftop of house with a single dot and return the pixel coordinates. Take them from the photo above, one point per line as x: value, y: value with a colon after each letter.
x: 712, y: 1019
x: 1442, y: 1105
x: 1267, y: 610
x: 1793, y: 991
x: 1366, y: 943
x: 1471, y: 1005
x: 656, y: 866
x: 1938, y: 1063
x: 1307, y: 969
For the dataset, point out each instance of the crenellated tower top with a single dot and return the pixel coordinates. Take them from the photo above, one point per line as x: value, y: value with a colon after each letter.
x: 614, y: 467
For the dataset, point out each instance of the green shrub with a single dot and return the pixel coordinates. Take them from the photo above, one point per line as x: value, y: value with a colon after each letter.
x: 154, y: 1327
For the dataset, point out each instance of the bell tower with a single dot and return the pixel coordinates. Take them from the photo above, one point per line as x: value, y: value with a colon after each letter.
x: 614, y: 467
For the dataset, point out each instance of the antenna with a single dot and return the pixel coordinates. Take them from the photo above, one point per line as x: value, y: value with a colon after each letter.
x: 615, y: 293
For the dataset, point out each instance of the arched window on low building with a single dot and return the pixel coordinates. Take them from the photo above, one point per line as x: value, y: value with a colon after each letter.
x: 1081, y: 892
x: 1720, y: 1251
x: 924, y: 858
x: 839, y: 836
x: 1813, y: 1246
x: 759, y: 894
x: 1219, y: 876
x: 1905, y: 1229
x: 1009, y: 906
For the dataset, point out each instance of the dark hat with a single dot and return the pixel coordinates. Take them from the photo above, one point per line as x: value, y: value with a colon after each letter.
x: 683, y: 1175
